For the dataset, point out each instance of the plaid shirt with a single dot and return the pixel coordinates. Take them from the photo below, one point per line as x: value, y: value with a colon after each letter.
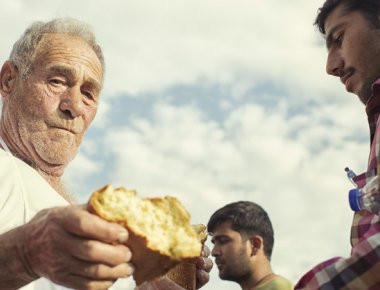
x: 362, y: 269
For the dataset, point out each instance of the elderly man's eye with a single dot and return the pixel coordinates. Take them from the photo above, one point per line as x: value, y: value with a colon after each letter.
x: 88, y: 95
x: 56, y: 82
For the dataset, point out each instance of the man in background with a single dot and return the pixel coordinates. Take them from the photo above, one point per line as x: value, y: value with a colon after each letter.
x: 243, y: 240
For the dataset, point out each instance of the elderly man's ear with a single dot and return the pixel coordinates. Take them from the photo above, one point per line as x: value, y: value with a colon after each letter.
x: 8, y: 76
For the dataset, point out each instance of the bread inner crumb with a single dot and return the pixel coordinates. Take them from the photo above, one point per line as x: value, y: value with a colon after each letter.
x: 163, y: 221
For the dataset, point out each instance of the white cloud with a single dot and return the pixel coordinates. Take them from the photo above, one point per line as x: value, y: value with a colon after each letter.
x: 288, y: 157
x: 152, y: 45
x: 251, y: 155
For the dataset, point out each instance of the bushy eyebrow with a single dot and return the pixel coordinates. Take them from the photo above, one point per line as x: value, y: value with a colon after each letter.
x: 329, y: 37
x: 218, y: 238
x: 71, y: 73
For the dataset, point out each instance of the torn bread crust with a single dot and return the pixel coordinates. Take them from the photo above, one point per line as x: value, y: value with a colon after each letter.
x: 160, y: 234
x: 184, y: 274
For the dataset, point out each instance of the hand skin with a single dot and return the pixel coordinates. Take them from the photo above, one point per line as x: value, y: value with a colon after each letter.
x: 67, y: 245
x: 204, y: 266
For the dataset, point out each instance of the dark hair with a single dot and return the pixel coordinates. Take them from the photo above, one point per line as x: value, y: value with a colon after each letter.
x: 247, y: 218
x: 369, y: 8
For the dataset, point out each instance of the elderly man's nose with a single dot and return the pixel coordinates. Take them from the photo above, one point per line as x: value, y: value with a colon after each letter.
x: 72, y: 103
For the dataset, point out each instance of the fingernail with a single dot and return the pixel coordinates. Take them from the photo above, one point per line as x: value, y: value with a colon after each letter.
x: 128, y: 256
x: 131, y: 268
x: 122, y: 236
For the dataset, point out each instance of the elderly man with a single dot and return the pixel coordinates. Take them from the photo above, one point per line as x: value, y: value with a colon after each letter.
x: 352, y: 32
x: 50, y: 90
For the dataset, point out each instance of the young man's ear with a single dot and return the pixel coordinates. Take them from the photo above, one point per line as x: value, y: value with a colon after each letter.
x: 257, y: 244
x: 8, y: 76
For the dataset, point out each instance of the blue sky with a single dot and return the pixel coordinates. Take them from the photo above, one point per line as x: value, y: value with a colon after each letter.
x: 215, y: 101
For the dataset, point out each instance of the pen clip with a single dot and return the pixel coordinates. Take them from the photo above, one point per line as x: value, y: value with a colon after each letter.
x: 350, y: 175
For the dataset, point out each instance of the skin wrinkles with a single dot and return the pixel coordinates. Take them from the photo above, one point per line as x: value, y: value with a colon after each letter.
x: 91, y: 84
x: 45, y: 115
x: 82, y: 59
x: 353, y: 51
x: 59, y: 101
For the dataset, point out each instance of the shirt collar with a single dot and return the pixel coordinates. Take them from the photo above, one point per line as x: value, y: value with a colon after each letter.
x: 373, y: 108
x: 374, y: 101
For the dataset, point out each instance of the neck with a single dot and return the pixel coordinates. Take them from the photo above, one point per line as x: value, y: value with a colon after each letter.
x: 25, y: 151
x: 53, y: 179
x: 260, y: 275
x: 57, y: 184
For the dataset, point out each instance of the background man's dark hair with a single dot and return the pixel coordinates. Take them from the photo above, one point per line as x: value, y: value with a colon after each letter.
x: 369, y: 8
x: 248, y: 219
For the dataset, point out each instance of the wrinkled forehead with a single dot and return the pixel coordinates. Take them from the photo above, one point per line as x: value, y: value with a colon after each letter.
x: 70, y: 51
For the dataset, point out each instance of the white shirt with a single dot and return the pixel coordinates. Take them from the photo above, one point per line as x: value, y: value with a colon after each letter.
x: 23, y: 193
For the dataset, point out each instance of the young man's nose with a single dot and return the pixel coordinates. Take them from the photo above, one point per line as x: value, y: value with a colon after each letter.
x: 215, y: 251
x: 334, y: 64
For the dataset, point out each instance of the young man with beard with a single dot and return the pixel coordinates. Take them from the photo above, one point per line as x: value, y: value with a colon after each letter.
x: 352, y: 32
x: 243, y: 239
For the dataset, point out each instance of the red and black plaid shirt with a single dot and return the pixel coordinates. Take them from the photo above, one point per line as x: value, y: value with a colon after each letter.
x: 362, y: 269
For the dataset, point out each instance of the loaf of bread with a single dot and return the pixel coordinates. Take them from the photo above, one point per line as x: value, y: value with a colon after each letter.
x: 184, y: 274
x: 160, y: 234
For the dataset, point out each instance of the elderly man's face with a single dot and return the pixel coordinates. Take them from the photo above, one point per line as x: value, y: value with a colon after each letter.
x: 52, y: 108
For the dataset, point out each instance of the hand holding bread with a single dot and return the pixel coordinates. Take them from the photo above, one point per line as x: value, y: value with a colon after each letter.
x: 160, y: 234
x: 184, y: 274
x: 73, y: 248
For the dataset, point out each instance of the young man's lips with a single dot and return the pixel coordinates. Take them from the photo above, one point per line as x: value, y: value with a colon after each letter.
x: 219, y: 264
x: 345, y: 80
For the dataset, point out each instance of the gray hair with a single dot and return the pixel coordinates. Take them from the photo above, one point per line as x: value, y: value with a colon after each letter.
x: 24, y: 49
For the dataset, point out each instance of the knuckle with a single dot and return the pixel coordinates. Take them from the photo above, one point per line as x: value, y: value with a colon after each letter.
x: 74, y: 219
x: 200, y: 263
x: 90, y: 285
x: 88, y: 248
x: 91, y: 271
x: 97, y: 271
x: 77, y: 222
x: 88, y: 272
